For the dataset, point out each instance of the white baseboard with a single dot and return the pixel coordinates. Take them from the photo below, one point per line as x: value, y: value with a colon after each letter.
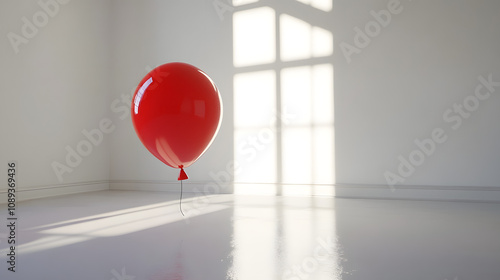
x: 36, y: 192
x: 443, y: 193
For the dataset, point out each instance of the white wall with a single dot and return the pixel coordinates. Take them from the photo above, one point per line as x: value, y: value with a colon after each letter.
x: 150, y: 33
x: 54, y: 87
x: 397, y: 88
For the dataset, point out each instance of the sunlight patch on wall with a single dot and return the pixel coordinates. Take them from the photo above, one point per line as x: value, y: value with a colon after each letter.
x: 254, y: 98
x: 308, y: 139
x: 296, y: 93
x: 254, y: 36
x: 290, y: 152
x: 301, y: 40
x: 322, y: 87
x: 237, y: 3
x: 322, y: 42
x: 324, y: 5
x: 297, y: 151
x: 255, y: 156
x: 255, y: 128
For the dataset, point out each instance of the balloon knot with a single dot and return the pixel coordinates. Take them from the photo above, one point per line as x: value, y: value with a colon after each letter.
x: 182, y: 175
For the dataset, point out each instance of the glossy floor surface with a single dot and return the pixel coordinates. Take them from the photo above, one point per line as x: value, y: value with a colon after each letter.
x: 115, y: 235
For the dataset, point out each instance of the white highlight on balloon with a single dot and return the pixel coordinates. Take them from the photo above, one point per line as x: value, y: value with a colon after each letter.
x: 139, y: 95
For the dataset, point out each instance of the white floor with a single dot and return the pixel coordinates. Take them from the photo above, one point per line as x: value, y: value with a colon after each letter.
x: 125, y: 235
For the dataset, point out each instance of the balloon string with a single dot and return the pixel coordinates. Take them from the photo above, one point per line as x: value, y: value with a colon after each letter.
x: 180, y: 201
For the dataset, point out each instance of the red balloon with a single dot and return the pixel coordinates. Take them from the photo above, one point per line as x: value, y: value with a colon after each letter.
x: 177, y: 112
